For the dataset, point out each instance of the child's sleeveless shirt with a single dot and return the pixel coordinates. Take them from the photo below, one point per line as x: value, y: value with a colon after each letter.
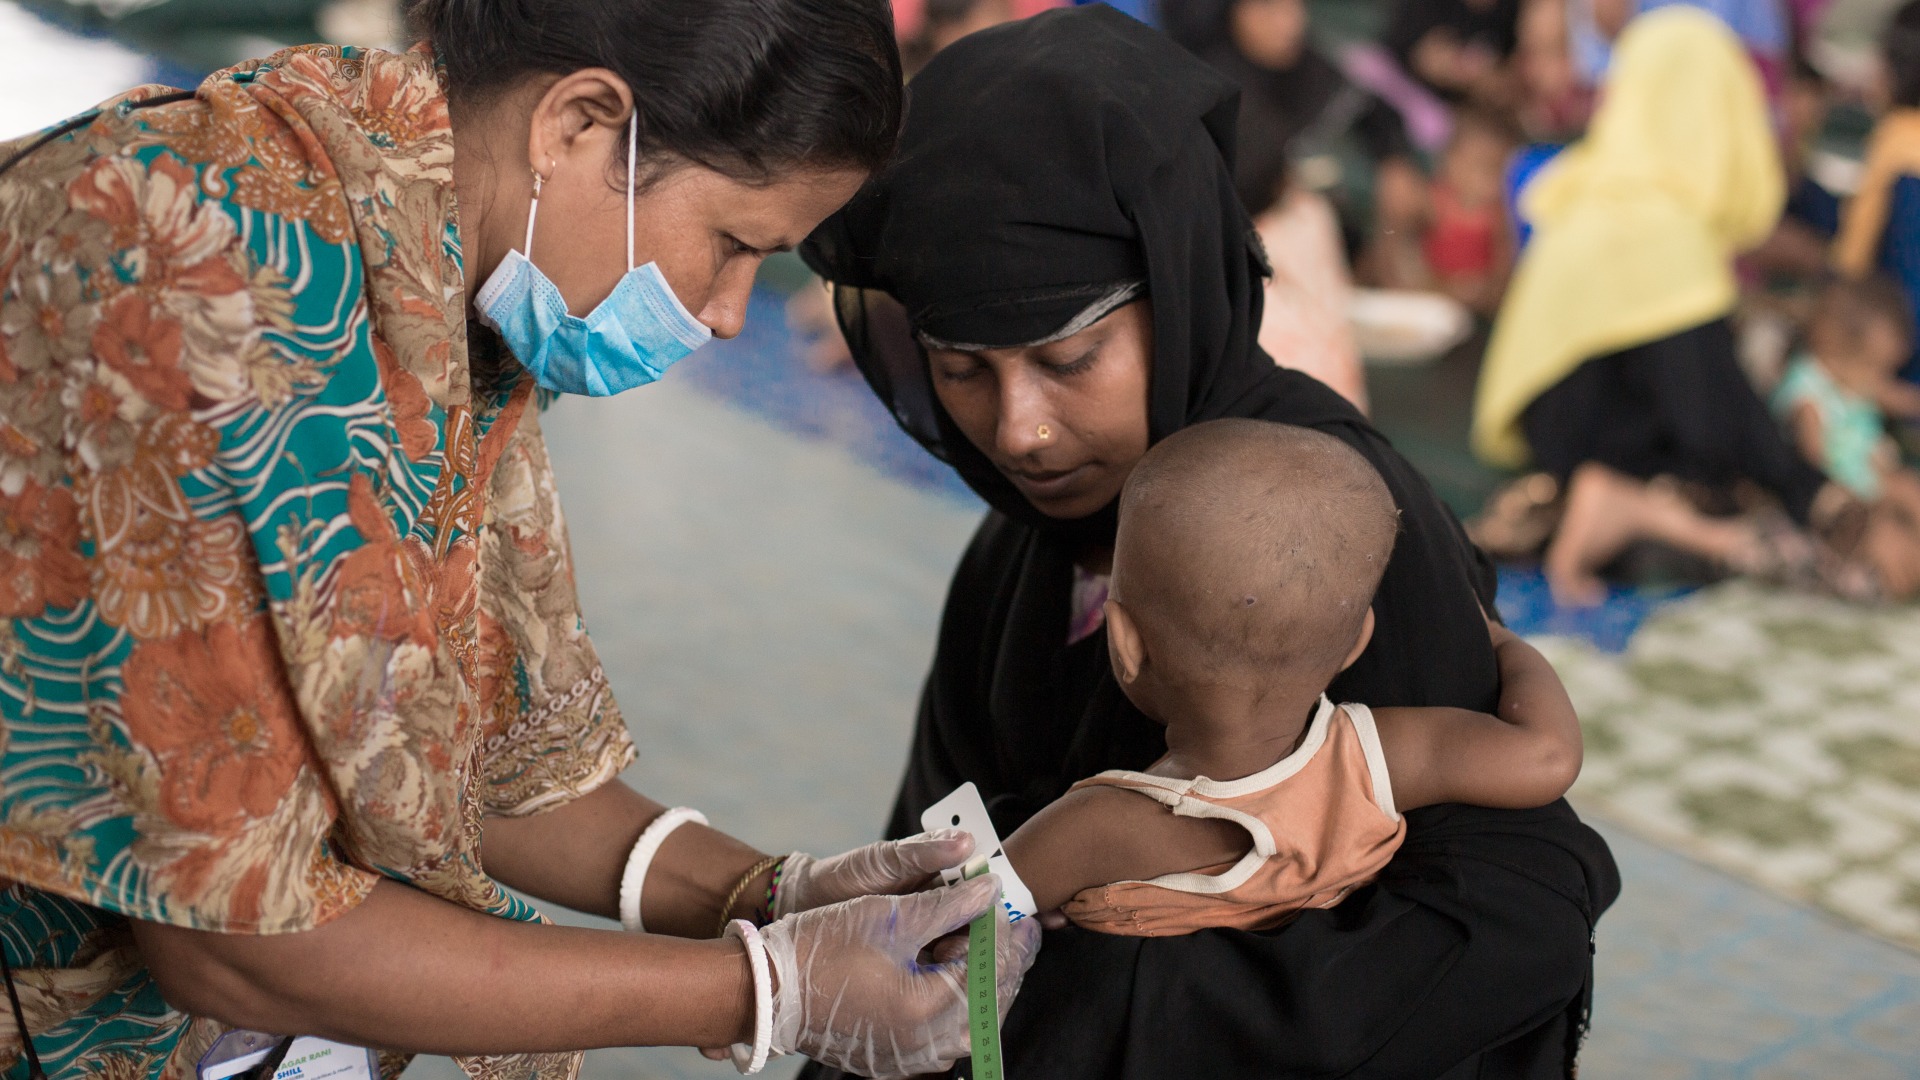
x: 1322, y: 821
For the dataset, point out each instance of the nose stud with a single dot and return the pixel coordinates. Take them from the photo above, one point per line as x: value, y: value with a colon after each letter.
x: 1043, y: 431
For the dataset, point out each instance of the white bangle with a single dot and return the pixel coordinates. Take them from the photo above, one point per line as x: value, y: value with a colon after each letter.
x: 641, y: 859
x: 751, y: 1058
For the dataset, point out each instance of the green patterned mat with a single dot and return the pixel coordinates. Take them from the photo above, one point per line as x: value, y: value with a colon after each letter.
x: 1774, y: 735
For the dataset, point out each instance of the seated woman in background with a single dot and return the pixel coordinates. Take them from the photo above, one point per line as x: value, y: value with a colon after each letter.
x: 1612, y: 361
x: 1039, y: 334
x: 1458, y: 48
x: 1296, y: 105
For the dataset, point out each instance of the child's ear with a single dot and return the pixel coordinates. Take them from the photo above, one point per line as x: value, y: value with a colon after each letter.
x: 1360, y: 644
x: 1124, y: 645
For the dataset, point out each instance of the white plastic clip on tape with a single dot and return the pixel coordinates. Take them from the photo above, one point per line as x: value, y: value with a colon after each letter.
x: 964, y: 810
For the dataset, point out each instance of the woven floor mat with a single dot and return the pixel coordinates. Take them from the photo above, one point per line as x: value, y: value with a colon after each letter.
x: 1774, y: 735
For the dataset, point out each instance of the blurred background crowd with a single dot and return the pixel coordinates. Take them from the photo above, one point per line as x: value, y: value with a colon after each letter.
x: 1641, y: 307
x: 1387, y: 149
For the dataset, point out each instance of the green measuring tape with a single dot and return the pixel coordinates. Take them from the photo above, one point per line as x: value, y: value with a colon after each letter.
x: 983, y: 996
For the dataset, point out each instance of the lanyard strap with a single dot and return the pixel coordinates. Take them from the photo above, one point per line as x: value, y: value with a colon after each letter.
x: 68, y: 127
x: 34, y: 1071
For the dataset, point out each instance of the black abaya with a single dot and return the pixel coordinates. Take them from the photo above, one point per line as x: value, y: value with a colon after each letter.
x: 1041, y: 162
x: 1679, y: 406
x: 1472, y: 950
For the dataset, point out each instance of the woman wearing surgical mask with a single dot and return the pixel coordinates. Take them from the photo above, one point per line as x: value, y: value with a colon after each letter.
x: 293, y: 678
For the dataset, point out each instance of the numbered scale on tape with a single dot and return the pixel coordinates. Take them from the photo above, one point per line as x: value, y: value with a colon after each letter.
x: 983, y: 997
x: 963, y: 810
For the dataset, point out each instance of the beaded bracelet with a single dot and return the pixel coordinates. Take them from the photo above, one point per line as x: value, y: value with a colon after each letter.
x: 746, y: 879
x: 765, y: 914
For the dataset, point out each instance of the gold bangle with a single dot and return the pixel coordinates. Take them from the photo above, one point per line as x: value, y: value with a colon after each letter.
x: 746, y: 879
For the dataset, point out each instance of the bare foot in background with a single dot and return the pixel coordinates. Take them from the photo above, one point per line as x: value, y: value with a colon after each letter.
x: 1601, y: 518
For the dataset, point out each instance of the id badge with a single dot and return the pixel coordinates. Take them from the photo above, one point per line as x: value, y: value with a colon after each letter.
x: 309, y: 1058
x: 962, y: 809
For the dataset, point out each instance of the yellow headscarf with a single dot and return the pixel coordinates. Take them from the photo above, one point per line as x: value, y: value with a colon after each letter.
x: 1636, y: 225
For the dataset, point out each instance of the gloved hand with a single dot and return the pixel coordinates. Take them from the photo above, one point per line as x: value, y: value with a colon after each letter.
x: 892, y: 866
x: 851, y: 991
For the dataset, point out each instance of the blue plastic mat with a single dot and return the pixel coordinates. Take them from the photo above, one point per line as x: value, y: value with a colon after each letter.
x: 1528, y: 607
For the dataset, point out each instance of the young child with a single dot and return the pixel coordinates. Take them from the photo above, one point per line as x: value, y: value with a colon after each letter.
x: 1243, y: 577
x: 1835, y: 402
x: 1466, y: 244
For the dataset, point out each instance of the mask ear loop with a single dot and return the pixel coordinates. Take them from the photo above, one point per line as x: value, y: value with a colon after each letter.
x: 633, y: 137
x: 533, y: 211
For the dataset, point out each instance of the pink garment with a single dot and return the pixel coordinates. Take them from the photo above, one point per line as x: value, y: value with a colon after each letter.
x: 1428, y: 121
x: 907, y: 17
x: 1305, y: 326
x: 1089, y: 604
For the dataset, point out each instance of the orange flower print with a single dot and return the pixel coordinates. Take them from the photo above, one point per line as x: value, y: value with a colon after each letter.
x: 412, y: 411
x: 453, y: 595
x: 379, y: 595
x: 159, y: 569
x: 40, y: 563
x: 215, y: 711
x: 167, y: 234
x: 400, y: 110
x: 145, y: 348
x: 44, y: 321
x: 494, y: 685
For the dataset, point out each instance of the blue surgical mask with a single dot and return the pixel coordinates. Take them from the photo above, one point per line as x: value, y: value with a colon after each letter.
x: 627, y: 340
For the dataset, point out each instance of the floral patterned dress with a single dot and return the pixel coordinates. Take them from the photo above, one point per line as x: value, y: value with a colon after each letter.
x: 285, y: 598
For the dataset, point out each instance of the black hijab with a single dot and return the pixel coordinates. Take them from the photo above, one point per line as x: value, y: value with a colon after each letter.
x: 1120, y: 177
x: 1042, y: 163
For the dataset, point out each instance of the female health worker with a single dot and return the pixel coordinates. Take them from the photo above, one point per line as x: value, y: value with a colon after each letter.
x: 293, y: 676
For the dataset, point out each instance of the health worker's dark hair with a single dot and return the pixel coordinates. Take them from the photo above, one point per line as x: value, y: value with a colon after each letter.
x: 748, y: 88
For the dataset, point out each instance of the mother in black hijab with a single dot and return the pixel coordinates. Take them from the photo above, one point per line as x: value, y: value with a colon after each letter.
x: 1055, y: 274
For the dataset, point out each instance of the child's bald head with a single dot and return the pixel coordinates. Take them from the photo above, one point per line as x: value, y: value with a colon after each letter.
x: 1246, y: 544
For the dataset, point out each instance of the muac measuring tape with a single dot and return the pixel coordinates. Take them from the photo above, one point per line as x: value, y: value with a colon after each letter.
x: 983, y: 996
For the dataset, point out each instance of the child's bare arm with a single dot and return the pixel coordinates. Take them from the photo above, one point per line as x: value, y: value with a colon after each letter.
x: 1809, y: 433
x: 1898, y: 397
x: 1100, y: 835
x: 1527, y: 756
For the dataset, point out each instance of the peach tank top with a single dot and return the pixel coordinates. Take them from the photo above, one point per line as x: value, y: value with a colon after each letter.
x: 1322, y: 821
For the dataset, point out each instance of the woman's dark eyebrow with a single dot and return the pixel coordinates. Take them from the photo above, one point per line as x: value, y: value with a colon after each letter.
x: 763, y: 252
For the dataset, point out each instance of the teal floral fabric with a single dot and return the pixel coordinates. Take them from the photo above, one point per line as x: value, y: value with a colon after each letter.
x: 285, y: 600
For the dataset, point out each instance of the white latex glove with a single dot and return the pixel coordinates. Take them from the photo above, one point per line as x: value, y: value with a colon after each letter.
x: 850, y: 988
x: 891, y: 866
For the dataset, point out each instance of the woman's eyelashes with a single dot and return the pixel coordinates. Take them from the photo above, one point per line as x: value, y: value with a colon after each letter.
x: 1076, y: 365
x: 957, y: 373
x: 961, y: 370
